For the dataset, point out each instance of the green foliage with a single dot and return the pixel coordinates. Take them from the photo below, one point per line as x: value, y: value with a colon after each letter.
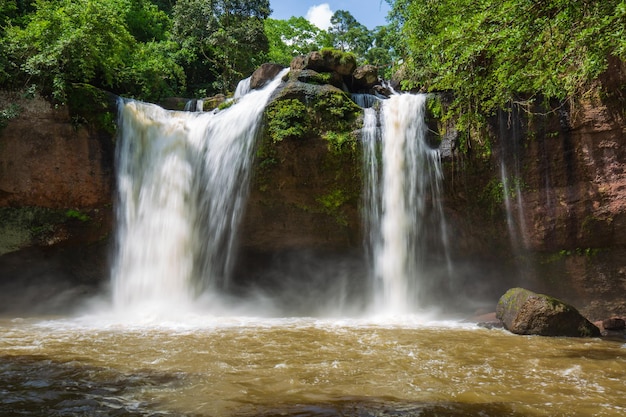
x: 72, y: 41
x: 8, y: 113
x: 491, y: 53
x: 153, y: 71
x: 340, y: 141
x: 82, y: 41
x: 223, y: 40
x: 287, y: 119
x: 335, y: 111
x: 78, y: 215
x: 496, y: 191
x: 130, y: 47
x: 90, y: 105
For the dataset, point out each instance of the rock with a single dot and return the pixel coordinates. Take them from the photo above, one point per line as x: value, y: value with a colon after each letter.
x: 527, y: 313
x: 364, y: 77
x: 612, y: 328
x: 382, y: 90
x: 213, y: 102
x: 614, y: 323
x: 314, y: 77
x: 263, y: 74
x: 326, y: 61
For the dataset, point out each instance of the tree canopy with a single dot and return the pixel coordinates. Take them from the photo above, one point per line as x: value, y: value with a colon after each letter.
x: 486, y: 53
x: 490, y: 53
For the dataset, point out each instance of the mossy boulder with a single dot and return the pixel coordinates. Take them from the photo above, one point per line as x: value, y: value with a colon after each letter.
x: 301, y: 110
x: 527, y: 313
x: 326, y: 60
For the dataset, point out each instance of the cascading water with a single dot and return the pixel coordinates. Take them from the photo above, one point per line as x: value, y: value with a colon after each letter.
x: 182, y: 180
x: 511, y: 177
x: 402, y: 204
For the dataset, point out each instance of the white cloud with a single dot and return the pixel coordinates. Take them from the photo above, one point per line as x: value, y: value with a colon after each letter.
x: 320, y: 15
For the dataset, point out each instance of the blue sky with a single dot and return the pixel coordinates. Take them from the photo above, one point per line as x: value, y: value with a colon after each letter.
x: 370, y: 13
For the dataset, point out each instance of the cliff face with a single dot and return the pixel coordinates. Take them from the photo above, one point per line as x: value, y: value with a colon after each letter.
x: 49, y: 160
x: 561, y: 170
x: 547, y: 209
x: 56, y: 179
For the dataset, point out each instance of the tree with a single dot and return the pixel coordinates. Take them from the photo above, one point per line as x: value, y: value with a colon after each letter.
x: 82, y: 41
x: 349, y: 35
x: 221, y: 40
x: 71, y: 41
x: 289, y: 38
x: 490, y: 53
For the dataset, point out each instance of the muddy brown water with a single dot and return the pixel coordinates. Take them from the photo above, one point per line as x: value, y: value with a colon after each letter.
x: 219, y: 366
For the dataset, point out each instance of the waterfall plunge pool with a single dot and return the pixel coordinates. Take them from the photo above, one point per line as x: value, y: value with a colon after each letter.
x: 235, y: 366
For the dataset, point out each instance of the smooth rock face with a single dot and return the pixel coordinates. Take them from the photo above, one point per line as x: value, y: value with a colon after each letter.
x: 527, y: 313
x: 263, y: 74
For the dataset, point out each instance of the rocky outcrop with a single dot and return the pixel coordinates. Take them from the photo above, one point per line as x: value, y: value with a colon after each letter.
x: 326, y: 61
x: 306, y: 188
x: 339, y: 70
x: 527, y: 313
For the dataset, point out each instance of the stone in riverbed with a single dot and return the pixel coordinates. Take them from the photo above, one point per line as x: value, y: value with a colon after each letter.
x: 527, y: 313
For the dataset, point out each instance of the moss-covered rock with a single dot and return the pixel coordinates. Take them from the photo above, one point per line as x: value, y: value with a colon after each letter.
x: 326, y: 60
x: 527, y: 313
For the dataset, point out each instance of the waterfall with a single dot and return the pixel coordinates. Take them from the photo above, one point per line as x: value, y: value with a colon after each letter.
x: 194, y: 105
x: 182, y: 182
x: 372, y: 204
x: 243, y: 88
x: 511, y: 177
x: 365, y: 100
x: 402, y: 207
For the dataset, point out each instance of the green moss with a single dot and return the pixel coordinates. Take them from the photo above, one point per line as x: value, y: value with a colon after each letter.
x: 287, y: 119
x: 320, y: 78
x: 23, y: 226
x: 341, y: 56
x: 78, y: 215
x: 331, y: 204
x: 340, y: 142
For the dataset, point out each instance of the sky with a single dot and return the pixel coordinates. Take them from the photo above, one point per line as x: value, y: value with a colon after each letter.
x: 370, y: 13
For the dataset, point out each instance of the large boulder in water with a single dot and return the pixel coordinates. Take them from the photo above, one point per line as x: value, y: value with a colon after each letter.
x: 527, y: 313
